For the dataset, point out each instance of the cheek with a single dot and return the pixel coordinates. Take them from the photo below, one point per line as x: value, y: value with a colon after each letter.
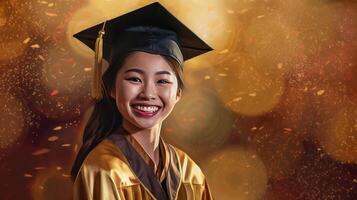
x: 124, y: 93
x: 169, y: 96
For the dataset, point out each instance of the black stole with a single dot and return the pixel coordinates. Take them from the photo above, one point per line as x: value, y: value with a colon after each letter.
x: 145, y: 173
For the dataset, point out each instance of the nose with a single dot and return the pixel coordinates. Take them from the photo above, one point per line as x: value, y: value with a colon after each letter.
x: 148, y: 91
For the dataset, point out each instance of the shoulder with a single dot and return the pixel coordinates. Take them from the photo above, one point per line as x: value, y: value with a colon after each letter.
x: 191, y: 172
x: 104, y: 156
x: 107, y: 159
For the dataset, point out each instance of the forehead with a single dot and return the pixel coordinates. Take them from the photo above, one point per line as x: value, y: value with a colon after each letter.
x: 146, y: 62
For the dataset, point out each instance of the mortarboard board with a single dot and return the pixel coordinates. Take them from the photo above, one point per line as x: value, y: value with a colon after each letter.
x: 151, y: 29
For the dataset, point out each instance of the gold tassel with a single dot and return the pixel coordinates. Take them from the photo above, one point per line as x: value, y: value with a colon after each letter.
x: 98, y: 59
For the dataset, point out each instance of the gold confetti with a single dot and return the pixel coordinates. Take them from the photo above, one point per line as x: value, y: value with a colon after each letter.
x: 41, y: 187
x: 53, y: 138
x: 288, y: 129
x: 222, y: 74
x: 224, y: 51
x: 66, y: 175
x: 57, y: 128
x: 229, y: 11
x: 260, y: 16
x: 58, y: 168
x: 237, y: 99
x: 207, y: 77
x: 26, y: 40
x: 40, y: 168
x: 28, y: 175
x: 66, y: 145
x: 254, y: 128
x: 41, y: 57
x: 44, y: 2
x: 35, y: 46
x: 320, y: 92
x: 243, y: 11
x: 40, y: 152
x: 87, y: 69
x: 253, y: 94
x: 51, y: 4
x: 280, y: 65
x: 51, y: 14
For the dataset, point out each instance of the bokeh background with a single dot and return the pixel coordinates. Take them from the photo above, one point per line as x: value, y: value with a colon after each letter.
x: 270, y: 114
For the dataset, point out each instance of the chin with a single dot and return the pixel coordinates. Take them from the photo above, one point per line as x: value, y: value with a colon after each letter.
x: 142, y: 123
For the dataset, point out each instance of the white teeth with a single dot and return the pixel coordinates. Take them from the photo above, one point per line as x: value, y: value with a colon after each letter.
x: 147, y: 108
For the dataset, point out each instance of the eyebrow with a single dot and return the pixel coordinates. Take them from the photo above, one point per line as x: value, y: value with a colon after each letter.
x: 142, y: 72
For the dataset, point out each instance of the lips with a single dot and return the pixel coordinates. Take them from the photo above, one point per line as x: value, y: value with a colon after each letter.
x: 145, y: 110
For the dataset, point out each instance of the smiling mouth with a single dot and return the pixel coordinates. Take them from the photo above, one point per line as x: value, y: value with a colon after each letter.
x: 145, y: 110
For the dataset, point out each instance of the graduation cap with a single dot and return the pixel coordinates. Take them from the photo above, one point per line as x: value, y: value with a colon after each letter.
x: 152, y: 29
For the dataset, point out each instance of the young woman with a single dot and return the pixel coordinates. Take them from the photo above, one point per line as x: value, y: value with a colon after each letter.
x: 123, y: 156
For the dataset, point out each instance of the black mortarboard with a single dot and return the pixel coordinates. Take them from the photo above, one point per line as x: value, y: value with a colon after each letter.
x: 151, y: 29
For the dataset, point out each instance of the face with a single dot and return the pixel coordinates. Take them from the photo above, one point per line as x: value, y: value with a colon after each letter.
x: 146, y: 90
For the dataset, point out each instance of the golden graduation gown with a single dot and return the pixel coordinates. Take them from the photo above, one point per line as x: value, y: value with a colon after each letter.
x: 113, y: 170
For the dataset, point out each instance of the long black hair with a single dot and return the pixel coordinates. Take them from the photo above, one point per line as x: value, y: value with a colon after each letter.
x: 106, y: 118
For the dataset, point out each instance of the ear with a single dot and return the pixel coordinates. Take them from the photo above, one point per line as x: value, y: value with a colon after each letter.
x: 112, y: 93
x: 178, y: 95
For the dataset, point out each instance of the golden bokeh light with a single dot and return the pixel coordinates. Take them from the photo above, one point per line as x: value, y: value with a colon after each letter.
x: 339, y: 138
x: 199, y: 122
x: 63, y: 84
x: 11, y: 49
x: 271, y: 43
x: 97, y: 12
x: 248, y: 88
x: 13, y: 120
x: 201, y: 16
x: 15, y: 38
x: 64, y: 74
x: 311, y: 20
x: 197, y: 71
x: 78, y: 22
x: 113, y: 8
x: 236, y: 173
x: 3, y: 15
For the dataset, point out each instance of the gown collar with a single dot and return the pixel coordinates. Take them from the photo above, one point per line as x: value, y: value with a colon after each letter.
x: 166, y: 185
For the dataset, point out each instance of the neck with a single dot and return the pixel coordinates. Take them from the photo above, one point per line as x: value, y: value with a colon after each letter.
x: 148, y: 139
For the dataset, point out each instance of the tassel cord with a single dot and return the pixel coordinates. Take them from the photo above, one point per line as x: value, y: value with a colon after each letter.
x: 97, y: 92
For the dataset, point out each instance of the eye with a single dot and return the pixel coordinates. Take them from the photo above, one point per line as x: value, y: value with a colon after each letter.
x: 163, y: 81
x: 134, y: 79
